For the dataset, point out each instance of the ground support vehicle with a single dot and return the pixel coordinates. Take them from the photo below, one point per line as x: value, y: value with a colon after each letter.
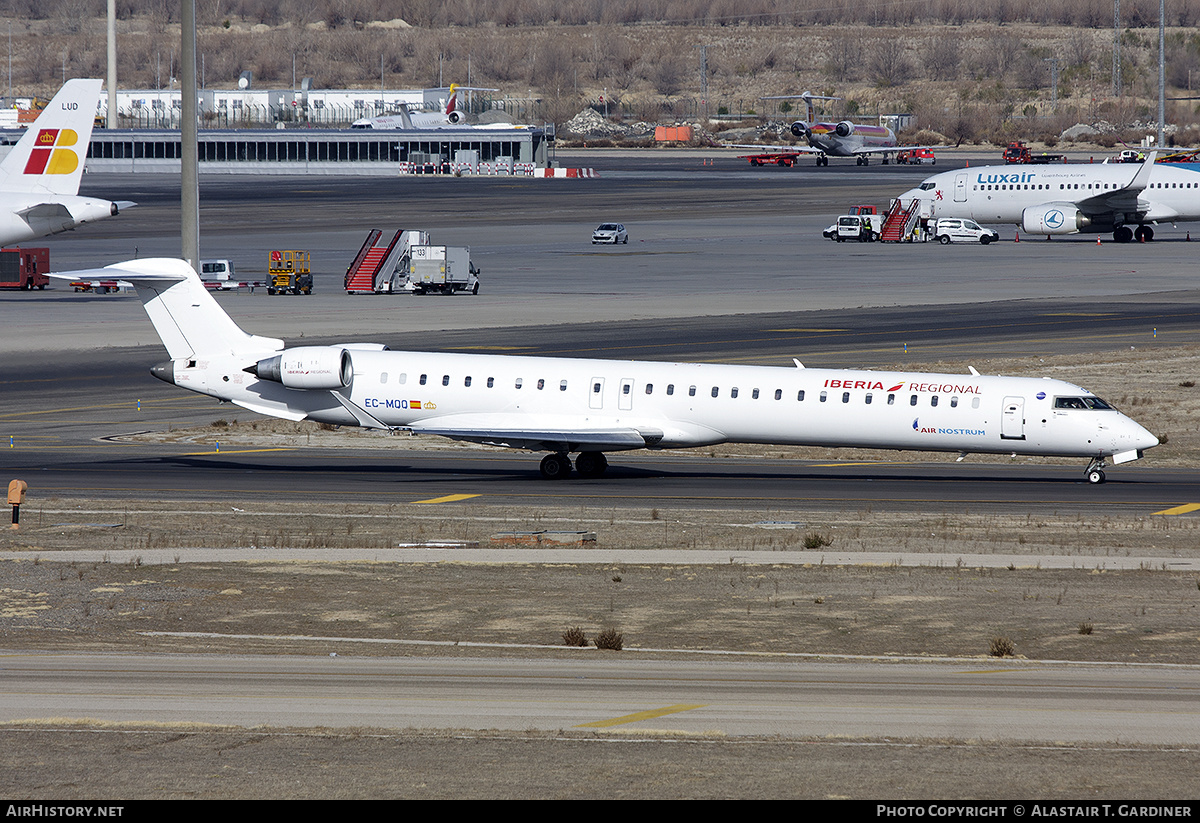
x: 218, y: 274
x: 953, y: 230
x: 440, y: 270
x: 864, y: 228
x: 916, y: 157
x: 24, y: 268
x: 774, y: 159
x: 1018, y: 152
x: 288, y: 272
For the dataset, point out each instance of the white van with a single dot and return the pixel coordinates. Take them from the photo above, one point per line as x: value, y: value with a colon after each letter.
x: 218, y: 271
x: 953, y: 230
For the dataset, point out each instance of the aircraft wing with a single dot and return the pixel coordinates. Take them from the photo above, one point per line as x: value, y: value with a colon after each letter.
x: 1124, y: 199
x: 768, y: 149
x: 891, y: 149
x: 517, y: 431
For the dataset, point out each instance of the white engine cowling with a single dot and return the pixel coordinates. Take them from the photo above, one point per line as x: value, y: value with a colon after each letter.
x: 844, y: 128
x: 800, y: 128
x: 308, y: 367
x: 454, y: 117
x: 1054, y: 219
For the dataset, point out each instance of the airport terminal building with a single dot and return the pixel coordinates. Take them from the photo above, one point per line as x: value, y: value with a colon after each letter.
x: 261, y: 131
x: 328, y: 151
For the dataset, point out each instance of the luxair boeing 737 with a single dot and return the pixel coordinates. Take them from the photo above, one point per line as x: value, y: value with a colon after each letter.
x: 39, y: 179
x: 1125, y: 199
x: 589, y: 407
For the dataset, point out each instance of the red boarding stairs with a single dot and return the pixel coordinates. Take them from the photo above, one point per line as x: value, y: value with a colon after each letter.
x: 364, y: 271
x: 899, y: 221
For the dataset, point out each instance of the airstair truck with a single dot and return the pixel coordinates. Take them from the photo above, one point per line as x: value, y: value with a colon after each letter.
x: 441, y: 269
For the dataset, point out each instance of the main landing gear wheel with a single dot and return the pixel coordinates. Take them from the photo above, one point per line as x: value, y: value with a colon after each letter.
x: 555, y: 466
x: 1123, y: 234
x: 591, y: 464
x: 1143, y: 234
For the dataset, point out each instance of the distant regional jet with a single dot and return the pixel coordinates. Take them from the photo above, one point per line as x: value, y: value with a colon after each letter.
x: 1122, y: 198
x: 39, y: 179
x: 449, y: 117
x: 563, y: 406
x: 844, y: 139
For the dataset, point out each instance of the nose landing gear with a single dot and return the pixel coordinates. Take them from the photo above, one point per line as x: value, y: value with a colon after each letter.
x: 1095, y: 471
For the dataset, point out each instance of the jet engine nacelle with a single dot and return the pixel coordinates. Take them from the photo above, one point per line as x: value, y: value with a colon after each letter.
x: 844, y: 128
x: 800, y: 128
x: 455, y: 117
x: 307, y: 367
x: 1054, y: 219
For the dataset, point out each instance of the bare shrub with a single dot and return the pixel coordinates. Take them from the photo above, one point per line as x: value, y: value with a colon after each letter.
x: 610, y: 639
x: 574, y: 636
x: 816, y: 540
x: 1086, y: 628
x: 1002, y: 647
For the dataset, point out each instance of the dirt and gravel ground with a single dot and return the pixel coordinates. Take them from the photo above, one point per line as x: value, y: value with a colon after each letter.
x: 1143, y: 616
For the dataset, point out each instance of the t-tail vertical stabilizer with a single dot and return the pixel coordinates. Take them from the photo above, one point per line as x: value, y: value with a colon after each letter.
x: 187, y: 318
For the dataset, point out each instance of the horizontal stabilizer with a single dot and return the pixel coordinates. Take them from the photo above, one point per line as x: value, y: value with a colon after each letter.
x: 185, y: 315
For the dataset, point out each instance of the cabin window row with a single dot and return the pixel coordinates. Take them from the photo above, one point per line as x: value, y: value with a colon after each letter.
x: 423, y: 380
x: 734, y: 392
x: 1073, y: 186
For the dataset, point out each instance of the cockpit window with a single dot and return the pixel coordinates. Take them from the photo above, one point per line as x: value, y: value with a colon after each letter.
x: 928, y: 186
x: 1080, y: 403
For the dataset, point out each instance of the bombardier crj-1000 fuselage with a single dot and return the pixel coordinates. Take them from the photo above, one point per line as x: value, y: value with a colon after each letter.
x: 589, y: 407
x: 1121, y: 198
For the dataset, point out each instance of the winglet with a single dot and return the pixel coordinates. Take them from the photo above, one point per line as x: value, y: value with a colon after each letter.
x: 1142, y: 178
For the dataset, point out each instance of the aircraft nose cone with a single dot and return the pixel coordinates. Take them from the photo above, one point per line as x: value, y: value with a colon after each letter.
x: 1133, y: 435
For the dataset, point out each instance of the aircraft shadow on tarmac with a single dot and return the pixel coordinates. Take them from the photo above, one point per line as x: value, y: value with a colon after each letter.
x: 454, y: 470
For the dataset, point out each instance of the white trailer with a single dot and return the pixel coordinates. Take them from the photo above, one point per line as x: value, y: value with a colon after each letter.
x: 440, y: 269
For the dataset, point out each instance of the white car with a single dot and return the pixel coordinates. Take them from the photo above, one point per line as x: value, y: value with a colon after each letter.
x: 610, y: 233
x: 952, y: 230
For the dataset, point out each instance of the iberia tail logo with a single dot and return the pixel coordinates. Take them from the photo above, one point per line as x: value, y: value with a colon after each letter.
x: 50, y: 154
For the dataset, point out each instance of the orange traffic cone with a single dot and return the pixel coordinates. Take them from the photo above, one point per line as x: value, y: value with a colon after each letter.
x: 1018, y: 240
x: 1097, y: 240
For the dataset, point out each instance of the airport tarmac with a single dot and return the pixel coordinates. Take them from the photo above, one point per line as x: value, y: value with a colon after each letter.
x: 723, y: 264
x: 702, y: 244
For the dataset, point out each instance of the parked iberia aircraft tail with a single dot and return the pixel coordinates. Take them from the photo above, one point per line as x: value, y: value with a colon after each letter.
x: 39, y: 179
x: 566, y: 406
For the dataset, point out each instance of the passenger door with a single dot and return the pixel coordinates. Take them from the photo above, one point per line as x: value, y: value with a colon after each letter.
x: 1012, y: 419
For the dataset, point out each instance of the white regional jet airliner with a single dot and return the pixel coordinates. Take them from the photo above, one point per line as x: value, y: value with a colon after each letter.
x: 39, y: 179
x: 589, y: 407
x: 1121, y: 198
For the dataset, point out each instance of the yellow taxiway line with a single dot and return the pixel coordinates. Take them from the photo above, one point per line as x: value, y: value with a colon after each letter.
x: 636, y: 716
